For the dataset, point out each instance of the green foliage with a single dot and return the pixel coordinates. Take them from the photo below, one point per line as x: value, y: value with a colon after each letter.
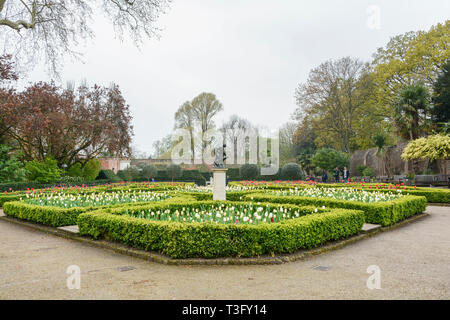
x: 174, y: 171
x: 291, y: 171
x: 212, y: 240
x: 410, y: 107
x: 249, y: 171
x: 108, y: 175
x: 328, y: 159
x: 43, y: 172
x: 433, y: 147
x: 149, y: 171
x: 441, y: 97
x: 91, y: 169
x: 360, y: 170
x: 131, y: 173
x: 384, y: 213
x: 193, y: 175
x: 368, y: 172
x: 11, y: 169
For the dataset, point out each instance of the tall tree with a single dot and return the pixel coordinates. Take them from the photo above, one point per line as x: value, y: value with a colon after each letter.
x: 410, y: 58
x: 234, y: 130
x: 332, y: 98
x: 441, y: 97
x: 185, y: 119
x: 205, y: 106
x: 53, y: 28
x: 70, y: 126
x: 410, y: 111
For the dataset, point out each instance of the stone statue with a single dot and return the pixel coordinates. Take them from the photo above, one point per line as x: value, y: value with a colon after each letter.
x: 221, y: 156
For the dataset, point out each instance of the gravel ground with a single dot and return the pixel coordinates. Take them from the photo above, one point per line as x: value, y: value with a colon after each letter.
x: 414, y: 261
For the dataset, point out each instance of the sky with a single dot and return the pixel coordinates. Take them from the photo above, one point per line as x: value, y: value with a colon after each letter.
x: 251, y: 54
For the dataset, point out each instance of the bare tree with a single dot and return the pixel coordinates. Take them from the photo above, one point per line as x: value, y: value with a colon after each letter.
x: 185, y: 119
x: 233, y: 130
x: 32, y: 29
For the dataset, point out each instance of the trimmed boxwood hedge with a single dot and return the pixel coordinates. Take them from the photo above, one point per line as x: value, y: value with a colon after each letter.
x: 384, y: 213
x: 59, y: 217
x: 212, y: 240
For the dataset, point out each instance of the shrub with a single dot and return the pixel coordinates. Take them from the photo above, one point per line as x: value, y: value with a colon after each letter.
x: 369, y: 172
x: 91, y: 169
x: 193, y: 175
x: 149, y: 171
x: 174, y: 171
x: 385, y: 213
x: 249, y: 171
x: 11, y: 169
x: 44, y: 172
x: 328, y: 159
x: 109, y: 175
x: 291, y: 171
x: 212, y: 240
x: 360, y: 170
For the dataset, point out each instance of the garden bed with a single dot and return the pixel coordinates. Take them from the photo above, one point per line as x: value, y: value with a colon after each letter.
x: 212, y: 240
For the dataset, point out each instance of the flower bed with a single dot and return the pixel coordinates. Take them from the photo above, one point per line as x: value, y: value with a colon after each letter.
x: 59, y: 216
x: 213, y: 239
x: 64, y: 200
x: 385, y: 213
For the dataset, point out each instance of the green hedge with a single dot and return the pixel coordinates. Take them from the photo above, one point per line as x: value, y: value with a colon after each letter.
x: 212, y: 240
x: 58, y: 217
x: 18, y: 186
x: 384, y: 213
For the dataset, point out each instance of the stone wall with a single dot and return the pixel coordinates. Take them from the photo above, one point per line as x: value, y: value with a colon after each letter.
x: 391, y: 163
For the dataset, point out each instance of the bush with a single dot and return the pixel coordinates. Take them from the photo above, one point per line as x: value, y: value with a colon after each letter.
x: 91, y: 169
x: 369, y: 172
x: 174, y: 171
x: 149, y: 171
x: 11, y: 169
x: 291, y: 171
x: 360, y: 169
x: 249, y: 171
x: 385, y: 213
x: 193, y: 175
x: 328, y: 159
x: 212, y: 240
x: 43, y: 172
x: 129, y: 174
x: 108, y: 175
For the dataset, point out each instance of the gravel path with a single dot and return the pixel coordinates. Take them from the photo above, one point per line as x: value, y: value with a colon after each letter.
x: 414, y: 262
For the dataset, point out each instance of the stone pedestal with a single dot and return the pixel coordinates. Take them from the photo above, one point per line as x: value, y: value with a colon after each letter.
x: 219, y: 184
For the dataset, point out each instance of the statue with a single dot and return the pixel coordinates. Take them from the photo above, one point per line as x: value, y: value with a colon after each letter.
x: 221, y: 156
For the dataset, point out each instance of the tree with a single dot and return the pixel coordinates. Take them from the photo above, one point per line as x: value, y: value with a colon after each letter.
x: 235, y: 130
x: 410, y: 58
x: 204, y: 107
x: 288, y: 148
x: 332, y: 98
x: 163, y: 147
x: 11, y: 169
x: 410, y: 111
x: 70, y: 126
x: 174, y: 171
x: 440, y: 111
x: 185, y: 119
x: 149, y: 171
x: 435, y: 147
x: 53, y: 28
x: 328, y: 159
x: 249, y: 171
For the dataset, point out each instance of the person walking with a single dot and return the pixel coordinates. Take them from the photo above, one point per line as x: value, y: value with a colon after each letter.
x: 336, y: 174
x: 346, y: 175
x: 324, y: 176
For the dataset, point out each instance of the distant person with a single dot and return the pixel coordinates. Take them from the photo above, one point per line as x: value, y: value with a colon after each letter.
x: 346, y: 175
x: 324, y: 176
x: 336, y: 174
x: 153, y: 179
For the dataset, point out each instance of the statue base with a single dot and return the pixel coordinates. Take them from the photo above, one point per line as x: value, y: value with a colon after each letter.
x: 219, y: 183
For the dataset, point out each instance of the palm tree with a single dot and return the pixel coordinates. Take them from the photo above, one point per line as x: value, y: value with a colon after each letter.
x: 410, y: 111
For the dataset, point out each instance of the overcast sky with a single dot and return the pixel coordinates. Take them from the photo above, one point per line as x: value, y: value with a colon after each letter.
x: 251, y: 53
